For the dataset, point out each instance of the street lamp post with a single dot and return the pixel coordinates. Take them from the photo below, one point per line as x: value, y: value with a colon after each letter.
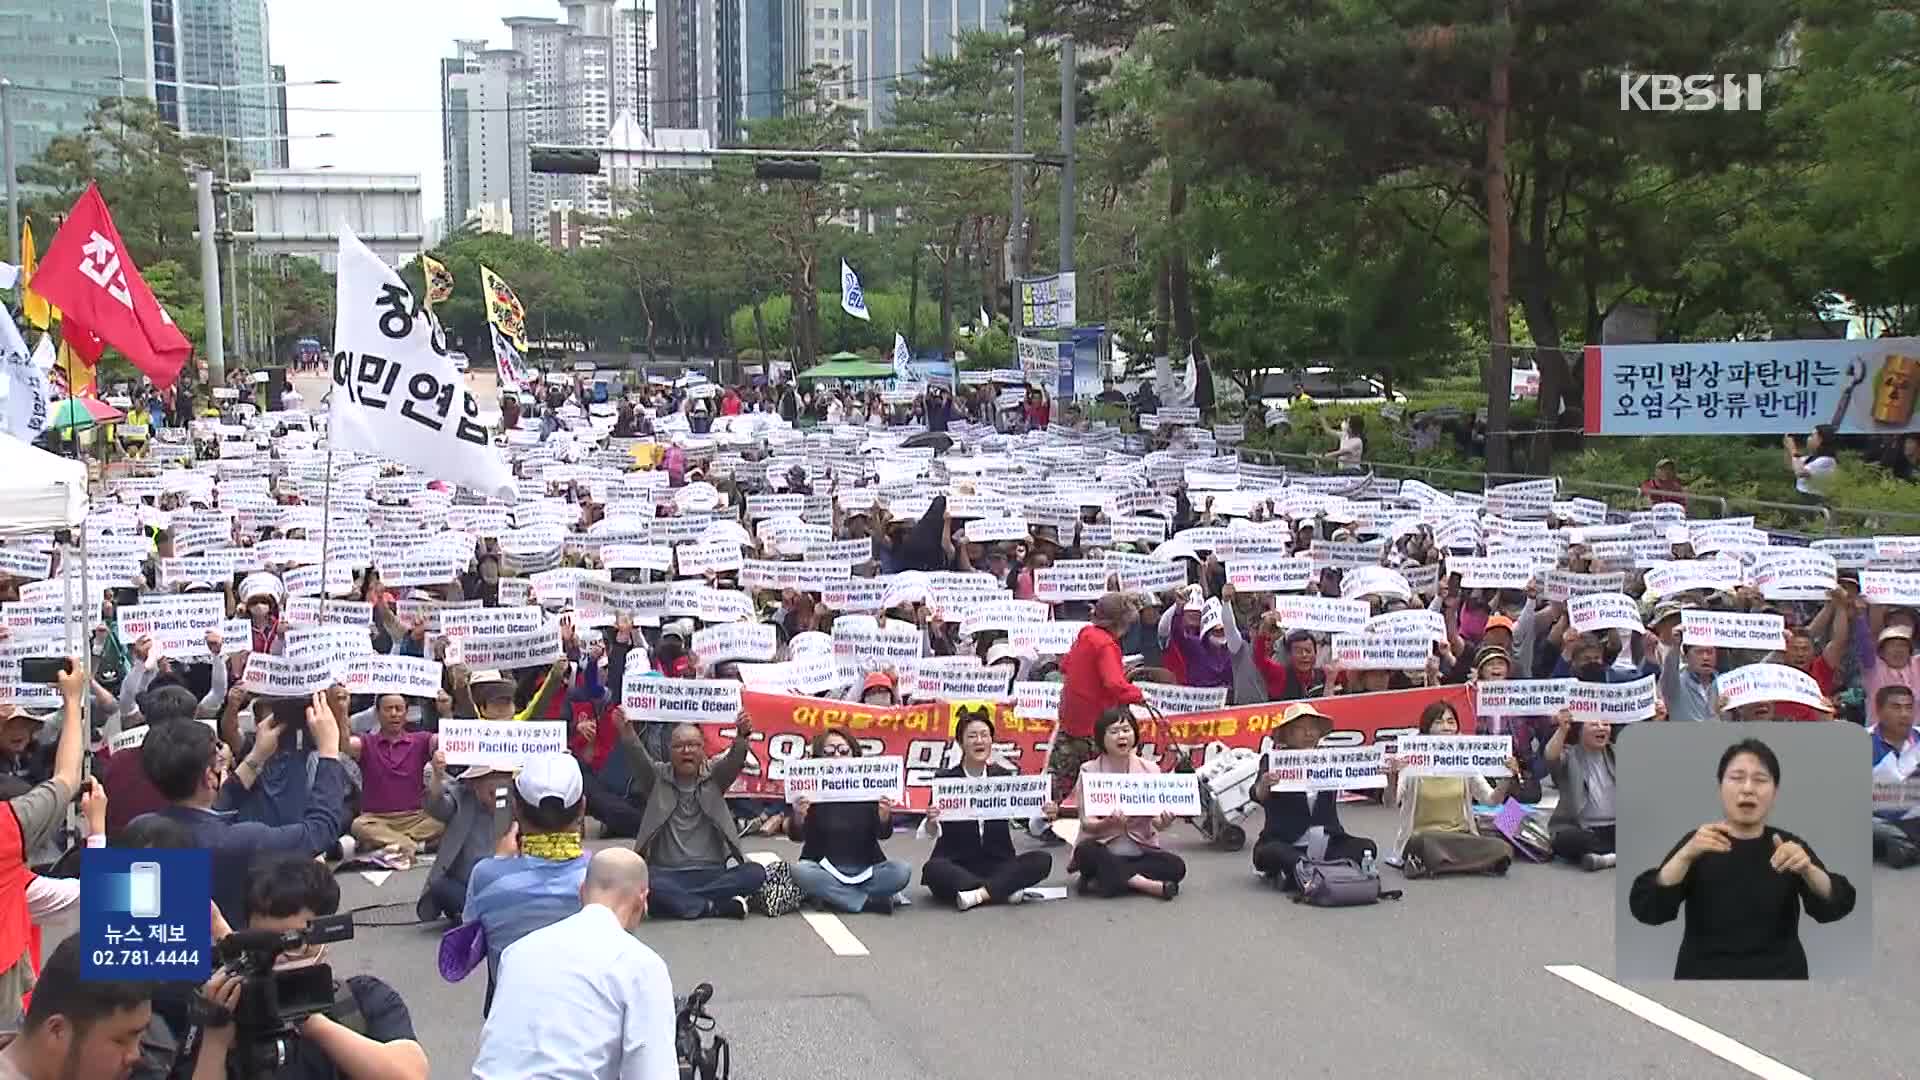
x: 227, y: 138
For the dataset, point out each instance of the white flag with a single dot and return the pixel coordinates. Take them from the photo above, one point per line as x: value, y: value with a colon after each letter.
x: 986, y: 323
x: 852, y: 300
x: 902, y: 360
x: 26, y: 410
x: 396, y: 393
x: 44, y: 354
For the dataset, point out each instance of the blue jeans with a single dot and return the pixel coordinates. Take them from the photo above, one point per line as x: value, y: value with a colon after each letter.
x: 689, y: 894
x: 888, y: 878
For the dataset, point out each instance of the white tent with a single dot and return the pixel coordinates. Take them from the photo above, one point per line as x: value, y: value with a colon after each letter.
x: 39, y: 492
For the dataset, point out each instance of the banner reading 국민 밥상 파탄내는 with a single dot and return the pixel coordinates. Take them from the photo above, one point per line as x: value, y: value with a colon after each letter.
x: 1860, y: 386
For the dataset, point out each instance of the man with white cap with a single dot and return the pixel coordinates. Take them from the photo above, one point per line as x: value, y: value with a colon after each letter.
x: 1893, y: 663
x: 534, y: 878
x: 465, y: 806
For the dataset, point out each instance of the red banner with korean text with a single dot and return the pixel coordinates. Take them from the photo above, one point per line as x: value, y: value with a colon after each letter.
x: 784, y: 726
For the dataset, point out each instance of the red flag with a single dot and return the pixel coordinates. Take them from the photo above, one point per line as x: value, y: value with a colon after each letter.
x: 88, y: 273
x: 84, y: 343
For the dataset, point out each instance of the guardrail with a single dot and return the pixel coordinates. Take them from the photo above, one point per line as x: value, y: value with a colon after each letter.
x: 1826, y: 518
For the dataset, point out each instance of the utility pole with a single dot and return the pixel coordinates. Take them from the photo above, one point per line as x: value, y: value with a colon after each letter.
x: 210, y: 277
x: 13, y: 182
x: 1068, y: 100
x: 1019, y: 234
x: 1499, y: 370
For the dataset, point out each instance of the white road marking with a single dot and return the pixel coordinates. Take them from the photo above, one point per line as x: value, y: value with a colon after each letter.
x: 826, y: 924
x: 1700, y: 1035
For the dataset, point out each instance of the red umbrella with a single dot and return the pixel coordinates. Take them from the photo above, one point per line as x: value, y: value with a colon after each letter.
x: 84, y: 412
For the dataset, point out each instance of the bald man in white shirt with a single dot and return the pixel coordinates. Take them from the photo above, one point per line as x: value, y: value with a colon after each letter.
x: 605, y: 1012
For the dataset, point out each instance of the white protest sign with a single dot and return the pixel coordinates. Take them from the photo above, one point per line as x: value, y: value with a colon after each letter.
x: 1074, y: 580
x: 1493, y: 572
x: 992, y: 530
x: 1689, y: 575
x: 491, y: 622
x: 1184, y: 699
x: 1520, y: 697
x: 1889, y: 587
x: 1046, y: 639
x: 1563, y: 585
x: 1754, y: 683
x: 1139, y: 794
x: 1345, y: 555
x: 378, y: 674
x: 846, y: 779
x: 177, y: 625
x: 500, y: 744
x: 1322, y: 614
x: 1733, y: 630
x: 1409, y: 623
x: 861, y: 644
x: 1036, y: 700
x: 1354, y: 768
x: 307, y: 610
x: 958, y: 682
x: 536, y: 648
x: 1454, y: 755
x: 1001, y: 615
x: 432, y: 566
x: 637, y: 557
x: 679, y: 701
x: 989, y: 798
x: 1795, y: 575
x: 1603, y: 611
x: 1853, y: 553
x: 1144, y: 574
x: 22, y: 563
x: 1612, y: 703
x: 807, y: 675
x: 735, y: 641
x: 716, y: 557
x: 288, y: 676
x: 1268, y: 574
x: 1381, y: 652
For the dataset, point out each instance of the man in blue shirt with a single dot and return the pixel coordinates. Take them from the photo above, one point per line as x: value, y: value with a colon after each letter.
x: 1896, y: 752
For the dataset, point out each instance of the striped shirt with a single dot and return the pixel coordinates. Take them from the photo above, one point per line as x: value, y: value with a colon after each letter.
x: 512, y: 896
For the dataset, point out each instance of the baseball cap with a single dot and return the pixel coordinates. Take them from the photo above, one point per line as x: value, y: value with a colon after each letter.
x: 877, y: 680
x: 1304, y: 711
x: 1896, y: 631
x: 1500, y: 622
x: 488, y: 677
x: 547, y: 776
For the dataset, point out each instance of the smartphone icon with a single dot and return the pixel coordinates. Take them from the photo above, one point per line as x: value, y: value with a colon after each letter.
x: 143, y: 896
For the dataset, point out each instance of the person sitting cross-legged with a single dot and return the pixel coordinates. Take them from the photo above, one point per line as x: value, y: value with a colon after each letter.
x: 686, y: 831
x: 973, y: 862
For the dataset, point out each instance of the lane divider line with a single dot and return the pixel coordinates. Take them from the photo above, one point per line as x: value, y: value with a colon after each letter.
x: 1721, y: 1046
x: 825, y: 924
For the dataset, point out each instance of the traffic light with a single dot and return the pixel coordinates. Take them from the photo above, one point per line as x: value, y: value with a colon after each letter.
x: 553, y: 159
x: 805, y: 169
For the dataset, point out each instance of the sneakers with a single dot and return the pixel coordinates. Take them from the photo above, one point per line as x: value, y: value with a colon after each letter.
x: 1595, y: 861
x: 879, y: 905
x: 732, y: 907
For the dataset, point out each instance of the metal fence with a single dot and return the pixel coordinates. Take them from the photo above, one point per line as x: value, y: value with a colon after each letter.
x: 1817, y: 518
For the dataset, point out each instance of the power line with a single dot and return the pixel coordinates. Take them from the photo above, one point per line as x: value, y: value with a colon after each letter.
x: 500, y: 111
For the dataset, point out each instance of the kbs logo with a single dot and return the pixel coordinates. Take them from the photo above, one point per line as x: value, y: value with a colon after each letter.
x: 1689, y: 93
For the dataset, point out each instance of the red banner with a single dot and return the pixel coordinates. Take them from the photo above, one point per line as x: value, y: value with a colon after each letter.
x: 784, y: 726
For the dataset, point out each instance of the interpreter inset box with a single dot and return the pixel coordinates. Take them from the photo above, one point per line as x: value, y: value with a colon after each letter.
x: 1744, y: 851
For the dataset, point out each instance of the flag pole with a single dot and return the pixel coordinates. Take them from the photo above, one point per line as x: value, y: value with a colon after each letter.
x: 326, y: 521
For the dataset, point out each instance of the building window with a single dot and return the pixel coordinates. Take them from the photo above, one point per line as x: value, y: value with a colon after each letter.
x: 819, y: 34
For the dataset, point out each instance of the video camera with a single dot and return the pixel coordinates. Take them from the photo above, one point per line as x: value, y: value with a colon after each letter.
x: 274, y: 1003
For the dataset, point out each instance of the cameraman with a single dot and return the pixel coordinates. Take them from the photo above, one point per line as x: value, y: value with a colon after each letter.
x: 367, y: 1034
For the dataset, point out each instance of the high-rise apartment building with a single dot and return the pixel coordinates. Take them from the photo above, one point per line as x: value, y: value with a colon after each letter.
x: 632, y: 61
x: 770, y: 55
x: 281, y: 157
x: 700, y: 65
x: 483, y: 134
x: 63, y: 56
x: 226, y: 77
x: 870, y: 44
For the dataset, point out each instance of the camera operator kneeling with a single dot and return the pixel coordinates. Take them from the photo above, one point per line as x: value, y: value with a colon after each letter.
x: 275, y: 999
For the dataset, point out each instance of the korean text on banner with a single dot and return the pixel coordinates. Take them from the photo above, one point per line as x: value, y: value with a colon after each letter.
x: 1355, y: 768
x: 500, y: 744
x: 1752, y: 387
x: 989, y: 798
x: 410, y: 676
x: 1613, y: 703
x: 1521, y: 697
x: 397, y: 393
x: 90, y: 276
x: 679, y: 701
x: 849, y: 779
x: 1755, y: 683
x: 1454, y: 755
x: 1733, y: 630
x: 1139, y: 794
x: 1603, y: 611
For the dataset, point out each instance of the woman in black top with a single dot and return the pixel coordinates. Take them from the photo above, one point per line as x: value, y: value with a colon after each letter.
x: 841, y: 864
x: 973, y: 862
x: 1743, y: 882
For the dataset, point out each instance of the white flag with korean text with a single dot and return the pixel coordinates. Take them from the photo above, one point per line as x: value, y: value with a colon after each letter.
x: 902, y: 360
x: 395, y: 392
x: 25, y: 411
x: 853, y: 300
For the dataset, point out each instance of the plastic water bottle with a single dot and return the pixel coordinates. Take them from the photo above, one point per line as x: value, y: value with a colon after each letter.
x: 1366, y: 863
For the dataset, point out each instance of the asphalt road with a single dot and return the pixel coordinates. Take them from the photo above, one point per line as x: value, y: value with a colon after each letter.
x: 1230, y: 979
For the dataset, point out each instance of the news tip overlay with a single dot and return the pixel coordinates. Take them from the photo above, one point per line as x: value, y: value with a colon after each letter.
x: 146, y: 915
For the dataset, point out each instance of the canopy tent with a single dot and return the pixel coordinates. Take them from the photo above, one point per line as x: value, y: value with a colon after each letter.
x: 848, y: 366
x: 39, y: 492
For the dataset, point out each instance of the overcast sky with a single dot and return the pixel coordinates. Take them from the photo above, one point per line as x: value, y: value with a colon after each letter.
x: 386, y: 54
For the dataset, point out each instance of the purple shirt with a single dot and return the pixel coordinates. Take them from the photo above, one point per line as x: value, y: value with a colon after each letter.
x: 1208, y: 663
x: 391, y: 769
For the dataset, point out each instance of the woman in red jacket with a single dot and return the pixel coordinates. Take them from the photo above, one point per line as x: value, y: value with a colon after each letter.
x: 1094, y: 680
